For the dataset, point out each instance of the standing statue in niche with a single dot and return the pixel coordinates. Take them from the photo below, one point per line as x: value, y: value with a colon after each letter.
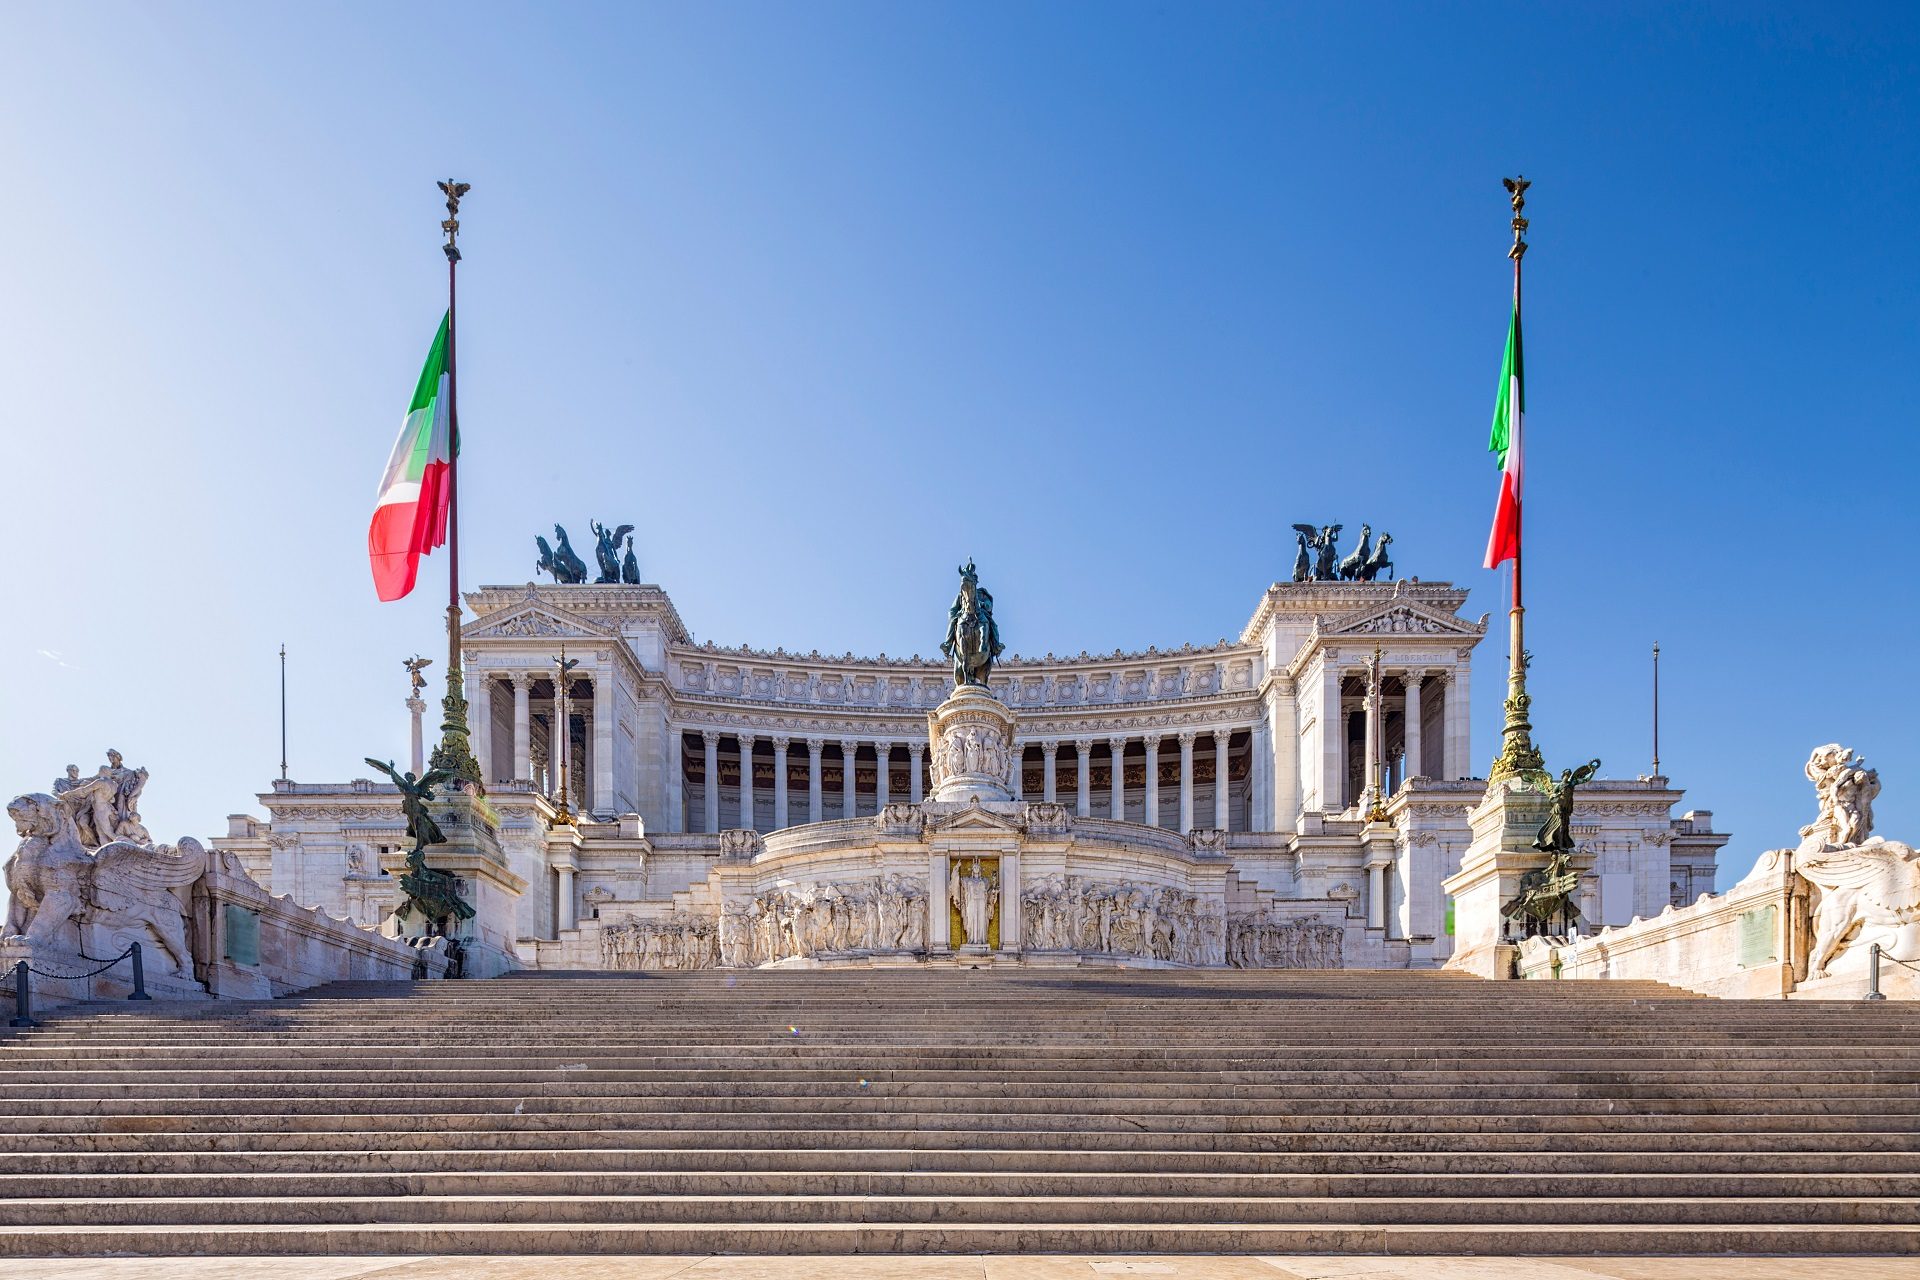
x: 606, y: 549
x: 629, y: 567
x: 973, y: 637
x: 976, y: 895
x: 429, y: 890
x: 560, y: 560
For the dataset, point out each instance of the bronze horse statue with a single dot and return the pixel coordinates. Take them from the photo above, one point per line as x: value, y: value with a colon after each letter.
x: 973, y: 638
x: 561, y: 561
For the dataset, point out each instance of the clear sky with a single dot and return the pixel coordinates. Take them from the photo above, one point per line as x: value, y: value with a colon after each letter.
x: 826, y: 298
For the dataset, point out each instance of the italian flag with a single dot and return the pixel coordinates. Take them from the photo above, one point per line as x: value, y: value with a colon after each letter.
x: 410, y: 518
x: 1509, y: 412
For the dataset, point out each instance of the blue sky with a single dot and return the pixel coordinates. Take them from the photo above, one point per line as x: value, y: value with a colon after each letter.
x: 827, y: 298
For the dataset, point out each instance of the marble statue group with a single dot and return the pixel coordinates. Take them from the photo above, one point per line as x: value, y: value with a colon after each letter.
x: 85, y: 865
x: 1151, y: 922
x: 1862, y: 885
x: 104, y: 807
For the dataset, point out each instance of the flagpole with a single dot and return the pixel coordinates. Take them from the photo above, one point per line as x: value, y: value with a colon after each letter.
x: 455, y: 752
x: 283, y: 714
x: 1518, y: 756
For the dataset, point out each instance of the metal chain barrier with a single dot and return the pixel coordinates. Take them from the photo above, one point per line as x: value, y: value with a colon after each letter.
x: 23, y: 983
x: 75, y: 977
x: 1873, y: 983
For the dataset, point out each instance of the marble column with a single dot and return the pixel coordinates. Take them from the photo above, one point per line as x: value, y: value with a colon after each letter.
x: 780, y: 746
x: 849, y: 787
x: 417, y: 707
x: 882, y: 766
x: 1083, y: 760
x: 569, y: 911
x: 746, y: 779
x: 1220, y: 739
x: 676, y: 779
x: 916, y: 772
x: 1411, y: 680
x: 603, y: 797
x: 1457, y: 710
x: 1117, y: 799
x: 1150, y: 805
x: 1284, y: 740
x: 1186, y: 781
x: 560, y: 748
x: 1017, y: 769
x: 710, y: 788
x: 483, y: 727
x: 522, y: 727
x: 1049, y: 782
x: 1375, y: 737
x: 814, y: 807
x: 1012, y: 924
x: 939, y: 910
x: 1333, y: 742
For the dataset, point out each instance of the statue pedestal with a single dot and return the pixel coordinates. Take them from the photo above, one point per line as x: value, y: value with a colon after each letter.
x: 472, y: 854
x: 971, y: 738
x: 1504, y: 825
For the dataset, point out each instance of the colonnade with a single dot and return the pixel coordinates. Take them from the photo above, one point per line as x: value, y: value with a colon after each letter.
x: 782, y: 753
x: 589, y: 699
x: 1415, y: 754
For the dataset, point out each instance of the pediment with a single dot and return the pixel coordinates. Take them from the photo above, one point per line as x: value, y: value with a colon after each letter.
x: 974, y: 818
x: 534, y: 618
x: 1403, y: 618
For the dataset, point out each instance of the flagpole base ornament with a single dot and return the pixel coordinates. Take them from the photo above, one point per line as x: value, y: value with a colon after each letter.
x: 454, y: 752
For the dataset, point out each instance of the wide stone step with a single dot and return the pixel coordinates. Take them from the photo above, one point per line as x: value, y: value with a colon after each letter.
x: 286, y: 1158
x: 997, y: 1111
x: 436, y: 1210
x: 875, y: 1105
x: 1085, y: 1238
x: 985, y: 1182
x: 105, y: 1097
x: 774, y: 1128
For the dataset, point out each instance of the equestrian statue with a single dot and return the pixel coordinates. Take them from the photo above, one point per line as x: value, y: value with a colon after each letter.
x: 973, y: 637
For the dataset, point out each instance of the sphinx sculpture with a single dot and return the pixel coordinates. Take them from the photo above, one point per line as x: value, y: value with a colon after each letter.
x: 1865, y: 889
x: 65, y: 897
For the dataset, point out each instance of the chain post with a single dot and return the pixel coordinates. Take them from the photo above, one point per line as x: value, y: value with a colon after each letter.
x: 139, y: 974
x: 1873, y: 975
x: 22, y: 998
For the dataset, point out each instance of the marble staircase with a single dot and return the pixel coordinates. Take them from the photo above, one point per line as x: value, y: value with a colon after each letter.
x: 1004, y: 1111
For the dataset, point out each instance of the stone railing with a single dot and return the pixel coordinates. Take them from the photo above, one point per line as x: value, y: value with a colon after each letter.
x: 288, y: 947
x: 1745, y: 943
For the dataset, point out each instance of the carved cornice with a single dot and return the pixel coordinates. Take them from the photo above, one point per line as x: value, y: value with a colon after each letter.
x: 607, y: 606
x: 1303, y: 600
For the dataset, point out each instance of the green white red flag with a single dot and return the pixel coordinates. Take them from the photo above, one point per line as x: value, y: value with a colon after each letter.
x: 410, y: 518
x: 1509, y: 414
